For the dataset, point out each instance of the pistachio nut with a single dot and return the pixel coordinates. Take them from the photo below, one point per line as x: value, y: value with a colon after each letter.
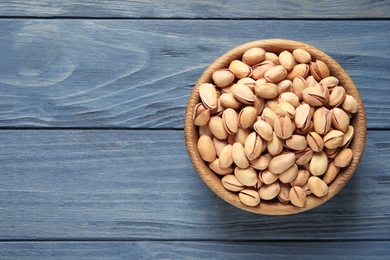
x: 271, y: 104
x: 266, y: 90
x: 214, y: 166
x: 275, y: 74
x: 201, y: 115
x: 348, y: 137
x: 331, y: 153
x: 303, y: 116
x: 217, y: 128
x: 219, y: 145
x: 290, y: 98
x: 315, y: 141
x: 269, y: 116
x: 258, y: 70
x: 284, y: 192
x: 268, y: 177
x: 230, y: 121
x: 247, y: 117
x: 249, y: 197
x: 344, y: 158
x: 225, y: 157
x: 301, y: 178
x: 285, y: 109
x: 306, y: 189
x: 286, y: 59
x: 242, y: 135
x: 208, y: 95
x: 240, y: 69
x: 227, y: 100
x: 268, y: 192
x: 311, y: 81
x: 305, y: 131
x: 223, y: 78
x: 218, y: 110
x: 322, y: 120
x: 330, y: 82
x: 231, y: 183
x: 317, y: 186
x: 337, y: 96
x: 270, y: 56
x: 239, y: 157
x: 314, y: 96
x: 283, y: 127
x: 247, y: 176
x: 296, y: 142
x: 318, y: 163
x: 253, y: 146
x: 253, y: 56
x: 263, y: 129
x: 297, y: 196
x: 299, y: 84
x: 275, y: 146
x: 340, y: 119
x: 289, y: 175
x: 243, y: 93
x: 260, y: 163
x: 301, y: 56
x: 247, y: 81
x: 331, y: 173
x: 258, y: 104
x: 282, y: 162
x: 350, y: 104
x: 284, y: 86
x: 299, y: 70
x: 206, y: 148
x: 333, y: 139
x: 302, y: 157
x: 319, y: 69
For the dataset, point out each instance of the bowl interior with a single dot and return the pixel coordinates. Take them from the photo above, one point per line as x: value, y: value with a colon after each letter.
x: 274, y: 207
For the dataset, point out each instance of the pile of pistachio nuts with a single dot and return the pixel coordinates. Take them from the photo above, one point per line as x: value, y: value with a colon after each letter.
x: 275, y: 126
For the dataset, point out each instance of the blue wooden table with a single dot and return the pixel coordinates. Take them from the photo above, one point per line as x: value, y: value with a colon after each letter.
x: 93, y: 162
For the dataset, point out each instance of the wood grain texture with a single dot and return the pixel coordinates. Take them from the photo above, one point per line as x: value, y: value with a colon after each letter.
x: 197, y: 9
x: 141, y: 185
x: 194, y: 250
x: 139, y: 73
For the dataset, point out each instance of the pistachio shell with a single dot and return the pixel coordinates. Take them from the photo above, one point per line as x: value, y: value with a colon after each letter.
x: 219, y: 145
x: 314, y: 96
x: 304, y: 156
x: 301, y: 56
x: 315, y: 141
x: 269, y: 116
x: 239, y: 157
x: 241, y: 135
x: 283, y: 195
x: 291, y: 98
x: 348, y: 137
x: 303, y: 116
x: 317, y: 186
x: 322, y: 120
x: 258, y: 70
x: 285, y: 109
x: 243, y: 93
x: 344, y: 158
x: 337, y: 96
x: 253, y: 145
x: 206, y: 148
x: 272, y: 57
x: 228, y: 100
x: 289, y: 175
x: 263, y: 129
x: 297, y: 196
x: 217, y: 128
x: 201, y: 115
x: 247, y: 176
x: 318, y: 164
x: 275, y: 146
x: 340, y: 119
x: 275, y: 74
x: 266, y: 90
x: 301, y: 178
x: 214, y: 166
x: 283, y: 127
x: 247, y: 117
x: 333, y: 139
x: 253, y: 56
x: 223, y: 78
x: 330, y: 82
x: 296, y: 142
x: 268, y: 192
x: 208, y: 95
x: 268, y: 177
x: 282, y: 162
x: 299, y: 70
x: 260, y: 163
x: 286, y: 59
x: 350, y: 104
x: 225, y: 157
x: 331, y: 173
x: 299, y: 84
x: 319, y: 70
x: 240, y: 69
x: 249, y: 197
x: 231, y: 183
x: 284, y: 86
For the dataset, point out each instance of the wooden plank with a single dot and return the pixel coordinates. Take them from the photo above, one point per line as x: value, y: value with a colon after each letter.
x: 127, y: 184
x: 139, y: 73
x: 195, y: 250
x: 197, y: 9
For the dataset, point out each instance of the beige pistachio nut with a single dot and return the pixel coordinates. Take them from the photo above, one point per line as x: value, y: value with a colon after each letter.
x: 268, y: 192
x: 247, y: 81
x: 282, y: 162
x: 325, y: 93
x: 301, y: 178
x: 225, y: 157
x: 290, y: 98
x: 208, y: 95
x: 318, y: 163
x: 287, y: 60
x: 331, y: 173
x: 260, y: 163
x: 285, y: 109
x: 218, y: 110
x: 270, y: 56
x: 258, y: 104
x: 253, y: 56
x: 231, y: 183
x: 317, y: 186
x: 305, y: 131
x: 230, y: 121
x: 263, y: 129
x: 239, y: 157
x: 297, y: 196
x: 243, y: 93
x: 201, y: 115
x: 268, y: 177
x: 283, y: 127
x: 242, y: 135
x: 315, y: 141
x: 227, y: 100
x: 303, y: 116
x: 269, y: 116
x: 206, y: 148
x: 333, y: 139
x: 303, y: 157
x: 249, y: 197
x: 271, y: 104
x: 223, y: 78
x: 266, y: 90
x: 217, y: 128
x: 247, y: 176
x: 284, y: 86
x: 311, y: 81
x: 331, y: 153
x: 340, y: 119
x: 301, y: 56
x: 319, y: 69
x: 258, y: 70
x: 275, y: 146
x: 253, y: 146
x: 314, y: 96
x: 337, y: 96
x: 322, y: 120
x: 289, y: 175
x: 343, y: 158
x: 348, y: 137
x: 214, y: 166
x: 296, y: 142
x: 330, y: 82
x: 283, y: 195
x: 247, y: 117
x: 350, y: 104
x: 299, y: 70
x: 299, y: 84
x: 240, y: 69
x: 275, y: 74
x: 219, y: 145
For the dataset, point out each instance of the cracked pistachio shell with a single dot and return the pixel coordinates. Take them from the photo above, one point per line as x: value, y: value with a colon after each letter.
x: 283, y: 127
x: 318, y: 163
x: 331, y: 153
x: 303, y: 116
x: 231, y: 183
x: 317, y: 186
x: 290, y: 98
x: 263, y: 129
x: 206, y: 148
x: 217, y: 128
x: 283, y: 195
x: 266, y: 90
x: 311, y: 81
x: 350, y: 104
x: 241, y: 135
x: 282, y: 162
x: 253, y: 146
x: 314, y: 96
x: 270, y: 56
x: 247, y: 81
x: 247, y: 117
x: 299, y: 84
x: 275, y: 146
x: 302, y: 157
x: 343, y: 158
x: 269, y: 116
x: 240, y: 69
x: 297, y: 196
x: 208, y: 95
x: 325, y: 92
x: 299, y: 70
x: 285, y: 109
x: 348, y: 137
x: 227, y: 100
x: 275, y: 74
x: 268, y: 192
x: 223, y: 78
x: 301, y: 178
x: 301, y: 56
x: 247, y: 176
x: 337, y: 96
x: 287, y: 60
x: 289, y: 175
x: 230, y: 121
x: 322, y: 120
x: 333, y: 139
x: 249, y: 197
x: 331, y: 173
x: 319, y: 69
x: 258, y: 70
x: 330, y: 82
x: 296, y: 142
x: 219, y: 145
x: 201, y: 115
x: 214, y: 166
x: 268, y: 177
x: 340, y: 119
x: 243, y: 93
x: 225, y: 157
x: 239, y: 157
x: 260, y: 163
x: 253, y: 56
x: 284, y: 86
x: 315, y: 141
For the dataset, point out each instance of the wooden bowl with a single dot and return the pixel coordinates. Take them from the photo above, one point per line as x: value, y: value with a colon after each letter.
x: 274, y: 207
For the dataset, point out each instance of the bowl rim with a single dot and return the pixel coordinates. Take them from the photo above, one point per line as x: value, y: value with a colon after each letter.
x: 275, y: 207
